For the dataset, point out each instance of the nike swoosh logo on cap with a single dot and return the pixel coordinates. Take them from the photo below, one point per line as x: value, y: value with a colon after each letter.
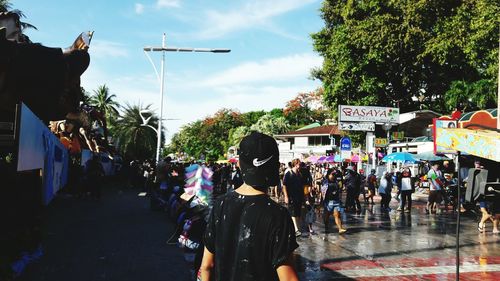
x: 258, y: 163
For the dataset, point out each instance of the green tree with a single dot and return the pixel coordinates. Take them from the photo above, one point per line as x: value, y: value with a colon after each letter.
x: 277, y: 112
x: 209, y: 137
x: 306, y: 108
x: 104, y: 101
x: 270, y: 125
x: 85, y: 96
x: 237, y: 134
x: 134, y: 140
x: 5, y: 6
x: 391, y: 53
x: 251, y: 117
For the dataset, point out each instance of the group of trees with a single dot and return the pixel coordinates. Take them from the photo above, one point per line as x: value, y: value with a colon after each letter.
x: 211, y: 137
x: 412, y: 54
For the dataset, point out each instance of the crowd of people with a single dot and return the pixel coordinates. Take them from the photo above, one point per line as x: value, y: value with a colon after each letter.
x: 312, y: 191
x: 285, y: 201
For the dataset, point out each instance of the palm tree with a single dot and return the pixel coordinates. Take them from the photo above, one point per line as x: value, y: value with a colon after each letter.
x: 5, y: 7
x: 104, y: 101
x: 134, y: 140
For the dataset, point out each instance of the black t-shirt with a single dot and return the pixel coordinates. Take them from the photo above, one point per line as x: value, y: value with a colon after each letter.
x: 250, y: 237
x: 333, y: 191
x: 294, y: 183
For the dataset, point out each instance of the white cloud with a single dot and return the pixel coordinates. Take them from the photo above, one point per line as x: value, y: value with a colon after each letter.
x: 139, y: 8
x: 168, y: 3
x: 252, y: 14
x: 272, y: 70
x: 260, y: 85
x: 107, y: 49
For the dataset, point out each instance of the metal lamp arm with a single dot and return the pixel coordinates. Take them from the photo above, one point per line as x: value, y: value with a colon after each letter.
x: 149, y: 126
x: 154, y: 66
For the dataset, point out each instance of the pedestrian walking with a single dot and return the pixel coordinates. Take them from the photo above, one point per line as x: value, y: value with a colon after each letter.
x: 384, y: 190
x: 310, y: 212
x: 248, y: 235
x: 293, y: 191
x: 352, y: 185
x: 406, y: 190
x: 332, y: 203
x: 372, y: 185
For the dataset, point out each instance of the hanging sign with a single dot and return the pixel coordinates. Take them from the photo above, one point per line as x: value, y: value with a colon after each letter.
x: 357, y: 126
x: 381, y: 142
x: 369, y: 114
x: 397, y: 136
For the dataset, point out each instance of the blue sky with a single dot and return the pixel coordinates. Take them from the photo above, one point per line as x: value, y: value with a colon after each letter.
x: 270, y: 60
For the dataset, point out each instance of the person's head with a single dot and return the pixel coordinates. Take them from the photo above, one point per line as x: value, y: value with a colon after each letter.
x: 477, y: 164
x: 372, y: 171
x: 331, y: 176
x: 435, y: 165
x: 295, y: 163
x: 259, y: 161
x: 350, y: 169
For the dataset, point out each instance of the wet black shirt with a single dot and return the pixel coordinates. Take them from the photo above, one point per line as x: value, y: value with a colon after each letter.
x: 294, y: 183
x: 333, y: 191
x: 250, y: 237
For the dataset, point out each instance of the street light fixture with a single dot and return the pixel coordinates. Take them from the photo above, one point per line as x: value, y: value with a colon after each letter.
x: 161, y: 78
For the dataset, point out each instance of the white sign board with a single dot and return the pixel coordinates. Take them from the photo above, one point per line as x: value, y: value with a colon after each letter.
x: 345, y: 154
x: 369, y: 114
x: 355, y: 126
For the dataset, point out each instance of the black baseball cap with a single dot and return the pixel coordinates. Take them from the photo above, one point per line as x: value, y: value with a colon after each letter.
x: 259, y: 160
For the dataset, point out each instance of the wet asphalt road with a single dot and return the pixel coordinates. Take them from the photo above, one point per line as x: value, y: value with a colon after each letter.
x: 399, y: 246
x: 119, y: 238
x: 115, y: 238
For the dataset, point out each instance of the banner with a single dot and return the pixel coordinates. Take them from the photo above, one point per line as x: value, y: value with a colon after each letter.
x: 438, y: 133
x: 369, y: 114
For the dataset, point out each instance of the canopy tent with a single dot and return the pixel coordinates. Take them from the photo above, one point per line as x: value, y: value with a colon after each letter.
x: 312, y: 159
x: 430, y: 156
x: 355, y: 158
x: 403, y: 157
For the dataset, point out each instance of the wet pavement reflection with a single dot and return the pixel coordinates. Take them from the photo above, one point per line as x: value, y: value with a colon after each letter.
x: 398, y: 246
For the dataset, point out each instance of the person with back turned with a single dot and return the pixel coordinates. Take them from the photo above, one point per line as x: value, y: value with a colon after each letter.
x: 248, y: 235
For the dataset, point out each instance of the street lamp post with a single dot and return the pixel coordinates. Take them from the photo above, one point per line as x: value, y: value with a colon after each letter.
x: 161, y: 78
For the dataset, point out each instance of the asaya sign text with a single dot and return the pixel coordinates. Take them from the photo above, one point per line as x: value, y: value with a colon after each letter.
x: 369, y: 113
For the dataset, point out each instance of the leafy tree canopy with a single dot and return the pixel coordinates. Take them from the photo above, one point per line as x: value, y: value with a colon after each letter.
x: 409, y: 53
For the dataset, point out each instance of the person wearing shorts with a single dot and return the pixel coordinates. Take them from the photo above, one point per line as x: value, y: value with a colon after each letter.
x: 293, y: 192
x: 333, y: 204
x: 434, y: 176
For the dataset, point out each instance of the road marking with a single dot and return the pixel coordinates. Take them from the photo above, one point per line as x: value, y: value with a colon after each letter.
x: 379, y: 272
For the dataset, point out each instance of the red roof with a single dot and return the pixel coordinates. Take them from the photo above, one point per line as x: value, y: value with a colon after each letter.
x: 317, y: 131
